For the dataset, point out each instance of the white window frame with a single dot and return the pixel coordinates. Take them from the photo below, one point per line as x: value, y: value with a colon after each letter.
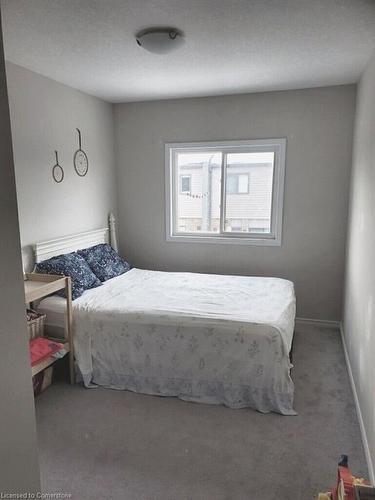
x: 278, y: 146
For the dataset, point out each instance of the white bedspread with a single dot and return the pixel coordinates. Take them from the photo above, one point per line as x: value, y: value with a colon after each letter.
x: 209, y: 338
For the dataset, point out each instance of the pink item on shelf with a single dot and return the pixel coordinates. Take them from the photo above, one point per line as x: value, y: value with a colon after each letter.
x: 41, y: 348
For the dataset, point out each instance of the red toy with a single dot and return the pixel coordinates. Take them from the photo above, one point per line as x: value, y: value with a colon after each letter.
x: 344, y: 489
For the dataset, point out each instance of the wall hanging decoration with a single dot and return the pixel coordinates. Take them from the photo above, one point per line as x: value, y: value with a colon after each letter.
x: 57, y: 171
x: 81, y: 162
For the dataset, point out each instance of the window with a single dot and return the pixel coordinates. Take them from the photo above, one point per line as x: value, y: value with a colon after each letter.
x: 185, y: 183
x: 237, y: 184
x: 227, y: 192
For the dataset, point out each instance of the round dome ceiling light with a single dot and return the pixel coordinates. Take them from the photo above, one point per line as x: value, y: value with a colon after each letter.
x: 160, y: 40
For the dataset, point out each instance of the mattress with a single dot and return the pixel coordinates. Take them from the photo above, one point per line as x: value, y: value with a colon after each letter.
x: 206, y: 338
x: 54, y: 307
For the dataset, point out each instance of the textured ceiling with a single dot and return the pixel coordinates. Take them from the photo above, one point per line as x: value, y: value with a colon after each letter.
x: 232, y: 46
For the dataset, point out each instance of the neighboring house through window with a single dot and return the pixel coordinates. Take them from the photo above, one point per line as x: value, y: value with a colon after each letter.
x: 185, y: 183
x: 227, y: 192
x: 237, y: 183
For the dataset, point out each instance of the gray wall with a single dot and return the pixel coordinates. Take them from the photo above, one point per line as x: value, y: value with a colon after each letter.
x: 44, y: 117
x: 318, y: 124
x: 19, y: 471
x: 359, y: 305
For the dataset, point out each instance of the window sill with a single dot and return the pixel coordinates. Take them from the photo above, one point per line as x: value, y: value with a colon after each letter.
x: 232, y: 240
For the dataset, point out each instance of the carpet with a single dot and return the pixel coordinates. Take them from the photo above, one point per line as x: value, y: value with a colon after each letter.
x: 105, y: 444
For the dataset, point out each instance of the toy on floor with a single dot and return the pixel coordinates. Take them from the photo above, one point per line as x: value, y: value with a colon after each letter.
x: 344, y: 488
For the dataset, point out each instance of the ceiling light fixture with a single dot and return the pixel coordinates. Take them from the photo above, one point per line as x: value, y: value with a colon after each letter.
x: 160, y: 40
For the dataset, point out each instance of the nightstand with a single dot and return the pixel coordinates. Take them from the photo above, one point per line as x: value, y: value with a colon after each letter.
x: 39, y: 286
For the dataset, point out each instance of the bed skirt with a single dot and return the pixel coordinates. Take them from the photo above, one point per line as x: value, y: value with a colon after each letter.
x: 245, y: 368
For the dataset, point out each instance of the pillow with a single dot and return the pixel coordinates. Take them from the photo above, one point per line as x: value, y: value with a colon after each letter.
x: 73, y: 265
x: 104, y: 261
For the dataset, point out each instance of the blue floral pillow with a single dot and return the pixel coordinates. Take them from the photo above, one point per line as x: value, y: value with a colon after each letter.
x: 73, y: 265
x: 104, y: 261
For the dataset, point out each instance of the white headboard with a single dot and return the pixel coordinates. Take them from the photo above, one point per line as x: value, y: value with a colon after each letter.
x: 50, y: 248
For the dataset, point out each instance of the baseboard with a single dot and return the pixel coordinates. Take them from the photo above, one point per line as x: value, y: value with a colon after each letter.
x: 318, y: 322
x: 358, y: 409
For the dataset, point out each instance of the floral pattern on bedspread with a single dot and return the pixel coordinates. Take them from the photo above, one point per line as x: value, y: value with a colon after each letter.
x: 237, y: 364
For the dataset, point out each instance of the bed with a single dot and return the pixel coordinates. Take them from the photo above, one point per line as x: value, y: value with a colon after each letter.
x: 203, y: 338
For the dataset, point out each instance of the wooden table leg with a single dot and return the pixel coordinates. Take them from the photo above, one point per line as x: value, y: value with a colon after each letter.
x: 69, y: 328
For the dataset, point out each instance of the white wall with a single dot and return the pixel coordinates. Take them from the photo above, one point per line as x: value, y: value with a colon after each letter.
x: 359, y: 305
x: 318, y: 124
x: 44, y: 117
x: 19, y: 471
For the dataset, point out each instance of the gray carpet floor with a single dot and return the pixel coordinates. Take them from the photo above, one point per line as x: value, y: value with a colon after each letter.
x: 104, y: 444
